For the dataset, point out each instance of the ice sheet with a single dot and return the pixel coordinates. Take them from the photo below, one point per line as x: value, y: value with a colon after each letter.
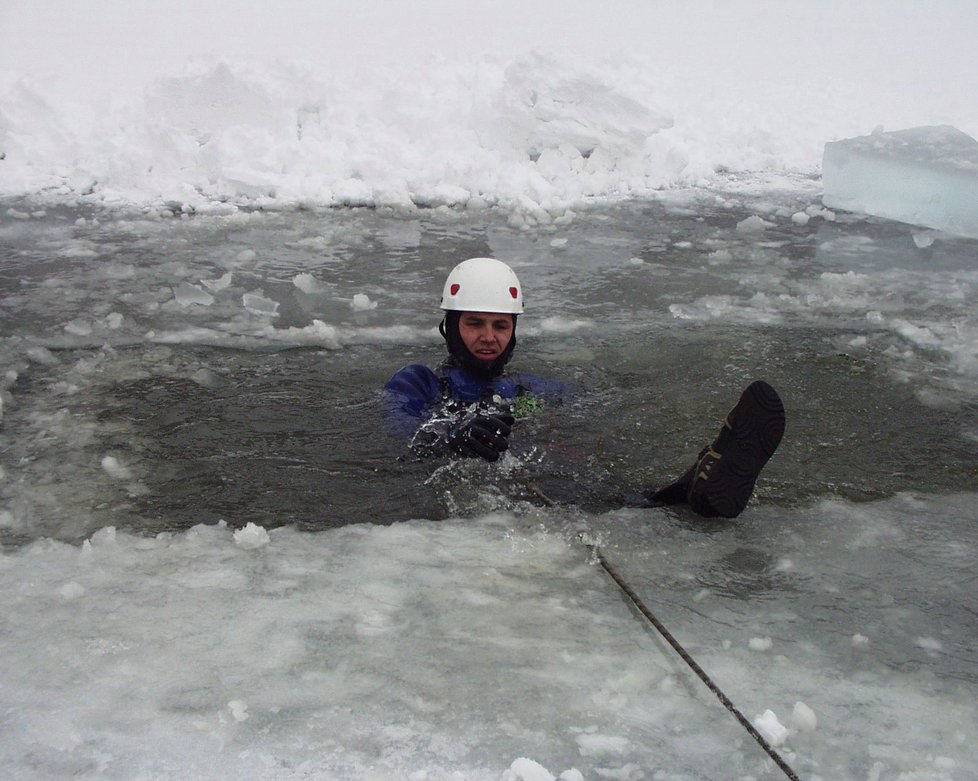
x: 494, y: 645
x: 924, y: 176
x: 201, y: 654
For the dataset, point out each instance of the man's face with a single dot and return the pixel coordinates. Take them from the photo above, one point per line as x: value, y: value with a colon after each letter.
x: 486, y: 334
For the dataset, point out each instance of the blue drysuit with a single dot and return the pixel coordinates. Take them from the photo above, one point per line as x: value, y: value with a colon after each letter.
x: 430, y: 403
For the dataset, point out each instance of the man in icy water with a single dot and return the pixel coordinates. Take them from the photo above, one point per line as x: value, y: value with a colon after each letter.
x: 469, y: 405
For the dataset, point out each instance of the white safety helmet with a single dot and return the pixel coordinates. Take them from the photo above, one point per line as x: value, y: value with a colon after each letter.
x: 482, y: 285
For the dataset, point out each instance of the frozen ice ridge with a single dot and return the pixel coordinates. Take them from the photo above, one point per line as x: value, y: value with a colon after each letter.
x: 923, y: 175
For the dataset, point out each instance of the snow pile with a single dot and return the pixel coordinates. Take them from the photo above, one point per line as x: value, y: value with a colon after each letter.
x: 449, y: 113
x: 534, y: 134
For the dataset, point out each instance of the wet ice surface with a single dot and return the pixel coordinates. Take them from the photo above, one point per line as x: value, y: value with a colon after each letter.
x: 162, y: 373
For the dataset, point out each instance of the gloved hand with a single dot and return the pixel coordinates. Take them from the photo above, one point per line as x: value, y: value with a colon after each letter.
x: 485, y: 435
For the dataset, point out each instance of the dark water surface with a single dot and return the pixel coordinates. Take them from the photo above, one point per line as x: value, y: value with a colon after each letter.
x: 657, y: 313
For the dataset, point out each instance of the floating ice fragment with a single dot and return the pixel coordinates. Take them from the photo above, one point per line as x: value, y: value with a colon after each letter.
x: 929, y: 644
x: 246, y: 256
x: 113, y: 321
x: 317, y: 332
x: 859, y: 641
x: 219, y: 284
x: 800, y: 218
x: 572, y: 775
x: 320, y: 243
x: 718, y: 257
x: 524, y: 769
x: 803, y: 718
x: 753, y: 224
x: 257, y: 304
x: 923, y: 239
x: 362, y: 303
x: 78, y: 327
x: 78, y: 249
x: 116, y: 469
x: 239, y: 710
x: 41, y: 355
x: 307, y: 283
x: 923, y: 176
x: 760, y: 644
x: 251, y: 537
x: 187, y: 294
x: 562, y: 325
x: 772, y: 729
x: 206, y: 378
x: 819, y: 211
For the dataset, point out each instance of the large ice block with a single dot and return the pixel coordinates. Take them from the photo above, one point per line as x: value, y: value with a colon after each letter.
x: 924, y: 176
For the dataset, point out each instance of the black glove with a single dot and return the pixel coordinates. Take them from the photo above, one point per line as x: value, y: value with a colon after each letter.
x: 486, y: 436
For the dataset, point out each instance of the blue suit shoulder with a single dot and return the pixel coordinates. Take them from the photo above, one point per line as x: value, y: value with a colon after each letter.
x: 415, y: 389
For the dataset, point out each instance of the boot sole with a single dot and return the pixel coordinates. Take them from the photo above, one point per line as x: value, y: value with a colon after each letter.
x: 724, y: 482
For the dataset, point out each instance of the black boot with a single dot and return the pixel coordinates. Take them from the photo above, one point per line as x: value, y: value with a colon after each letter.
x: 722, y: 480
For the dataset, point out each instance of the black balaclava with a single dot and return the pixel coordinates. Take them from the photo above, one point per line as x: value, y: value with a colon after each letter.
x: 461, y: 356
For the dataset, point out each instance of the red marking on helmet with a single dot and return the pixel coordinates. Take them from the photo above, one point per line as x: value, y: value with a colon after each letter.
x: 514, y: 292
x: 455, y: 288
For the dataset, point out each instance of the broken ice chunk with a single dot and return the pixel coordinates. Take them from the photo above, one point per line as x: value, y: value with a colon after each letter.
x: 116, y: 468
x: 753, y: 224
x: 923, y: 176
x: 923, y: 239
x: 187, y: 294
x: 760, y: 644
x: 361, y: 303
x: 307, y: 283
x: 219, y: 284
x: 803, y: 718
x: 772, y: 729
x: 257, y: 304
x: 239, y: 709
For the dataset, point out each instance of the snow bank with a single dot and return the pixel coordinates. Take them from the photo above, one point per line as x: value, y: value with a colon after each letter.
x: 535, y: 133
x: 558, y: 103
